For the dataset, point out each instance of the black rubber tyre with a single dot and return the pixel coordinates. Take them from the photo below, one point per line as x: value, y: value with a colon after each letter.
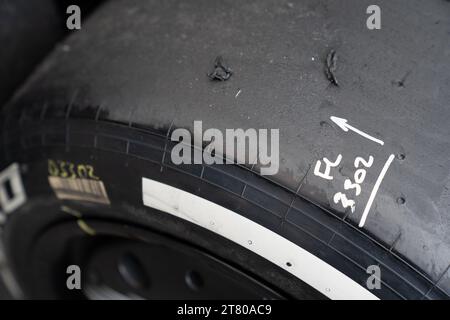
x: 138, y: 69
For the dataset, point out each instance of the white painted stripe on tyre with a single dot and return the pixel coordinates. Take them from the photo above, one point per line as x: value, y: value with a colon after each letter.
x: 262, y: 241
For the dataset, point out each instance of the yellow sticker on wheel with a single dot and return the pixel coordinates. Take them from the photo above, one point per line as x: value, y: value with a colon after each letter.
x: 76, y: 182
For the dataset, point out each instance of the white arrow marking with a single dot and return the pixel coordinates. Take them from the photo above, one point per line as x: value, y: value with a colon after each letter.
x: 342, y: 123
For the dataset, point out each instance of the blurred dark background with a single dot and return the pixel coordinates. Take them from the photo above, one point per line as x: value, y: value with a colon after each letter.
x: 28, y: 32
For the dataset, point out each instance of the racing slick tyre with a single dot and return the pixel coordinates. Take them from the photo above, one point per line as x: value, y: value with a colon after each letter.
x: 359, y: 205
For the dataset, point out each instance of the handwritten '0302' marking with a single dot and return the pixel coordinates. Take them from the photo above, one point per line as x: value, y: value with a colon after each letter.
x: 359, y: 177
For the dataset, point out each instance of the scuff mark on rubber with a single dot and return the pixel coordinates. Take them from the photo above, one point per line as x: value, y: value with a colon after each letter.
x: 401, y: 83
x: 221, y: 71
x: 330, y: 67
